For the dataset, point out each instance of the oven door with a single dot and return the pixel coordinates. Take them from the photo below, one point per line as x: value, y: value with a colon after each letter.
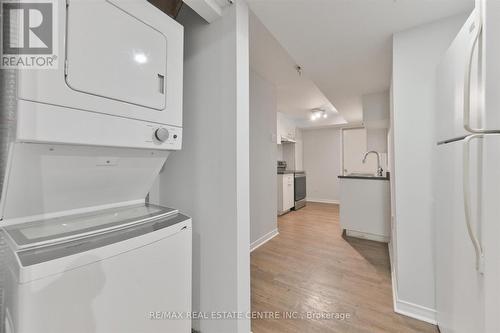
x: 300, y: 186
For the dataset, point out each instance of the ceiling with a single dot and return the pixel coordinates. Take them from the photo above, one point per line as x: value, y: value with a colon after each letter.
x: 296, y: 94
x: 343, y: 46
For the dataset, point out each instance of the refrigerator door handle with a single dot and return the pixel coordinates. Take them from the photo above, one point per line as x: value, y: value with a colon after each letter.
x: 477, y: 26
x: 467, y: 203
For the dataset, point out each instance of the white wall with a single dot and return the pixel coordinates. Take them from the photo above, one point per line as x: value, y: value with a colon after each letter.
x: 376, y: 115
x: 322, y: 161
x: 376, y: 110
x: 354, y: 148
x: 289, y: 155
x: 377, y: 140
x: 279, y: 153
x: 416, y: 55
x: 263, y: 148
x: 209, y: 179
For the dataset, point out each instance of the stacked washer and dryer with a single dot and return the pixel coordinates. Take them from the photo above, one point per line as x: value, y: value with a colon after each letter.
x: 81, y: 147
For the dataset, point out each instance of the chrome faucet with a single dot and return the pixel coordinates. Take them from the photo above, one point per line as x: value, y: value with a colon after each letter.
x: 380, y: 171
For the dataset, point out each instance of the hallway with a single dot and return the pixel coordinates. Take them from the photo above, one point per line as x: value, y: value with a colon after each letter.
x: 310, y: 268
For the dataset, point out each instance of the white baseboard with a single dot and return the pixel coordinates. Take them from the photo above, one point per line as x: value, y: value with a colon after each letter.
x: 264, y: 239
x: 407, y: 308
x: 365, y: 235
x: 415, y: 311
x: 327, y: 201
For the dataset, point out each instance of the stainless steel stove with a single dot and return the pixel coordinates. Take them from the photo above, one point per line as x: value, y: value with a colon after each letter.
x: 300, y: 189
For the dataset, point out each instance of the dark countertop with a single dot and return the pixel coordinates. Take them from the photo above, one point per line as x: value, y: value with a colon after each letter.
x: 387, y: 177
x: 287, y: 172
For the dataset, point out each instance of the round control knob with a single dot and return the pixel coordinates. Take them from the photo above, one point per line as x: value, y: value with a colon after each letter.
x: 162, y: 134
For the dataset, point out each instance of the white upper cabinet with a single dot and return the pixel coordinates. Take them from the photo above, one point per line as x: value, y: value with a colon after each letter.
x: 291, y: 132
x: 125, y: 61
x: 285, y: 128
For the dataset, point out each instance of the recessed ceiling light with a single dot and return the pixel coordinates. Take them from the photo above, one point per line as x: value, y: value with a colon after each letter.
x: 318, y: 113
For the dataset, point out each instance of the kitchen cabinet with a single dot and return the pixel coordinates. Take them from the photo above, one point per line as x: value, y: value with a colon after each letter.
x: 285, y: 128
x: 286, y: 199
x: 290, y: 132
x: 279, y: 125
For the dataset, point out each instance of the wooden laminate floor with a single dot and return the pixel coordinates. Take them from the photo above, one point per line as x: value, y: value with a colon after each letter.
x: 310, y: 267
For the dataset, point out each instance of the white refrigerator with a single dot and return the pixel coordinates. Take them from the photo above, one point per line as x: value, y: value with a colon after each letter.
x: 467, y: 193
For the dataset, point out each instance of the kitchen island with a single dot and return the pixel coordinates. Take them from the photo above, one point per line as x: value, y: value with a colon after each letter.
x: 365, y: 206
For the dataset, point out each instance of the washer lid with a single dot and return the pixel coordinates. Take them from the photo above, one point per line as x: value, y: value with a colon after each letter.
x: 45, y: 181
x: 63, y: 229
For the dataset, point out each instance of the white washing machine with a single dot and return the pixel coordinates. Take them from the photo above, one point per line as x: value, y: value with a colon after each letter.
x: 101, y: 272
x: 80, y: 147
x: 96, y: 130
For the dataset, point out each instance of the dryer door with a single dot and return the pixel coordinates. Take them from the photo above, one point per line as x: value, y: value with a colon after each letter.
x: 113, y: 54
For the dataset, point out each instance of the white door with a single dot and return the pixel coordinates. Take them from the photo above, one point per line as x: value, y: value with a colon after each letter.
x: 286, y: 194
x: 451, y: 84
x: 469, y: 76
x: 468, y: 261
x: 491, y: 230
x: 113, y: 54
x: 489, y: 45
x: 290, y: 191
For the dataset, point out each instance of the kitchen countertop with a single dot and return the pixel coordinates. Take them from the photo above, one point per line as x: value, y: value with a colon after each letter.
x: 387, y: 177
x: 287, y: 172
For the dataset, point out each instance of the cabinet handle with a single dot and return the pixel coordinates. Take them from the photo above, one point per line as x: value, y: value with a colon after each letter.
x: 161, y: 83
x: 478, y: 27
x: 467, y: 203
